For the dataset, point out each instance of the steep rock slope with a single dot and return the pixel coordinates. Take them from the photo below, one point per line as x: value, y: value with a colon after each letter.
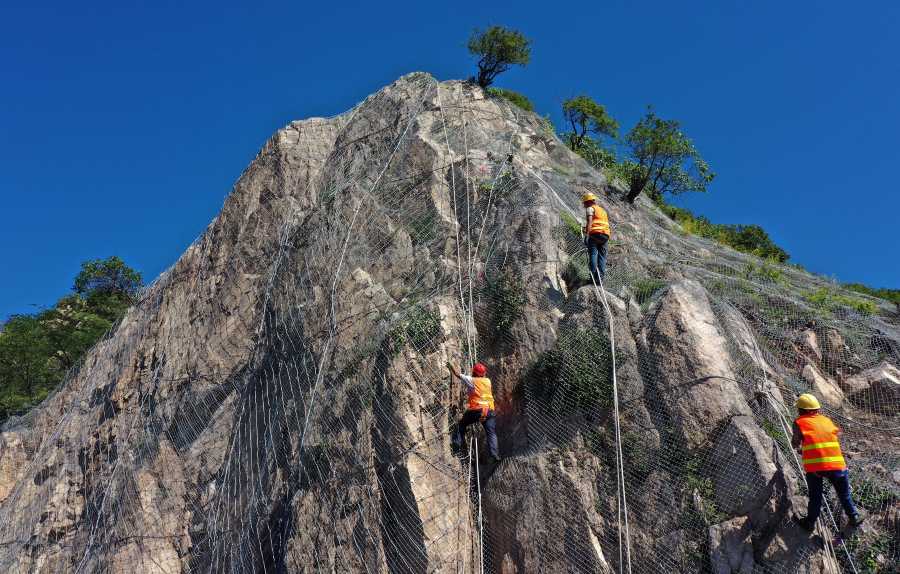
x: 277, y: 401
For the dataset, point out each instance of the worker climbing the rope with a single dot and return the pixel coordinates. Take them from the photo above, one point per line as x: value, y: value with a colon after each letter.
x: 480, y: 407
x: 816, y: 436
x: 596, y: 235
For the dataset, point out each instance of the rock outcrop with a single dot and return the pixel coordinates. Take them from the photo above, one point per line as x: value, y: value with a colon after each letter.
x: 278, y: 401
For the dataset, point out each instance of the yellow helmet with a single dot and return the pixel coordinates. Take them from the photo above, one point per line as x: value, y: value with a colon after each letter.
x: 807, y: 402
x: 588, y: 197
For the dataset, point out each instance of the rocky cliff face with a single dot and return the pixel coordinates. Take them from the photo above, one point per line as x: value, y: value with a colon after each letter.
x: 278, y: 402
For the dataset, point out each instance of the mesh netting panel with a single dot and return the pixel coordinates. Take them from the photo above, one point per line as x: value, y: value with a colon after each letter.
x: 278, y: 400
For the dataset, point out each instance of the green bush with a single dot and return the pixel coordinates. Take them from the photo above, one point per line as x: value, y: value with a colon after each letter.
x: 576, y: 371
x: 421, y: 329
x: 646, y: 288
x: 571, y: 225
x: 695, y: 481
x: 873, y: 495
x: 506, y: 299
x: 512, y: 97
x: 765, y: 272
x: 830, y: 301
x: 776, y: 432
x: 892, y: 295
x: 751, y: 239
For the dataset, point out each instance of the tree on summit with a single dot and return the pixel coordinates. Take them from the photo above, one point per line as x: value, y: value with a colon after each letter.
x: 498, y: 48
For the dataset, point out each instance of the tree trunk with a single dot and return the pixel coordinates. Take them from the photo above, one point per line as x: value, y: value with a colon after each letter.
x: 634, y: 190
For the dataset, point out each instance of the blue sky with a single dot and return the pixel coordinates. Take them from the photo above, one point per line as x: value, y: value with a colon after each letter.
x: 123, y: 125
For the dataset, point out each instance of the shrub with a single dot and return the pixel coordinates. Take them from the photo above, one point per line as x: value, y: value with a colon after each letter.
x: 506, y: 298
x: 575, y: 372
x: 645, y: 288
x: 694, y: 481
x: 751, y: 239
x: 892, y: 295
x: 571, y: 225
x: 873, y: 495
x: 830, y: 301
x: 512, y: 97
x: 765, y: 272
x: 421, y: 329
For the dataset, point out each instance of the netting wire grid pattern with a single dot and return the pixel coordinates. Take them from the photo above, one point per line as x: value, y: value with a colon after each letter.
x: 336, y: 453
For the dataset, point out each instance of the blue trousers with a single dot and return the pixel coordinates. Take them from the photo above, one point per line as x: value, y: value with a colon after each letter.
x: 596, y: 244
x: 840, y: 480
x: 490, y: 430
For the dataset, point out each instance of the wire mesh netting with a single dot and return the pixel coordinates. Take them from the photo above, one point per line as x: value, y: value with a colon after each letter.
x: 278, y: 400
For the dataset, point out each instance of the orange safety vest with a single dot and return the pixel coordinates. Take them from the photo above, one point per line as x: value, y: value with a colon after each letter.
x: 599, y: 221
x: 820, y: 446
x: 480, y: 396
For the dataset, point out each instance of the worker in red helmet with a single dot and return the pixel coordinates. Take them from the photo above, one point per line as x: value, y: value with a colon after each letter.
x: 480, y: 407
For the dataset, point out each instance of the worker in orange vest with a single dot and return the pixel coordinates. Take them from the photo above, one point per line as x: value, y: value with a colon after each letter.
x: 479, y: 407
x: 816, y: 437
x: 596, y: 235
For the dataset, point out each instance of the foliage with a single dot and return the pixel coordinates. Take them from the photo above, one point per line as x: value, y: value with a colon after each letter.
x: 421, y: 329
x: 751, y: 239
x: 873, y: 495
x: 571, y: 225
x: 663, y: 160
x: 105, y: 276
x: 892, y: 295
x: 694, y: 481
x: 515, y: 98
x: 586, y: 117
x: 498, y: 48
x: 830, y: 301
x: 871, y: 556
x: 423, y: 226
x: 506, y: 297
x: 777, y: 433
x: 36, y: 351
x: 765, y: 271
x: 646, y: 288
x: 577, y: 369
x: 595, y: 154
x: 27, y: 374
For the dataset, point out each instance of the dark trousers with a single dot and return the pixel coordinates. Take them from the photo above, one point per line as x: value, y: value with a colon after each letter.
x: 596, y: 244
x: 490, y: 429
x: 840, y: 480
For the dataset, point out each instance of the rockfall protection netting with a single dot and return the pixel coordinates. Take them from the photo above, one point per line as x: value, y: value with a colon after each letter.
x: 439, y: 231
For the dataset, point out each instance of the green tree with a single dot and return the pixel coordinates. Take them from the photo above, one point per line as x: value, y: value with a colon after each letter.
x: 36, y: 351
x: 26, y: 372
x: 498, y: 48
x: 664, y: 160
x: 586, y: 117
x: 107, y: 276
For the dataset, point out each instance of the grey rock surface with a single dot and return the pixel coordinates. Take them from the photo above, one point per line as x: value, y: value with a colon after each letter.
x: 278, y: 402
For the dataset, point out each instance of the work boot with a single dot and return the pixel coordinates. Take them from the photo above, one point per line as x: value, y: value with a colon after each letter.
x: 856, y: 520
x: 495, y: 459
x: 805, y: 523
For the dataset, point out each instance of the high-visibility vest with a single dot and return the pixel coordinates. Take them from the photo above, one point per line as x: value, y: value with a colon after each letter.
x: 820, y: 446
x: 599, y: 221
x: 480, y: 394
